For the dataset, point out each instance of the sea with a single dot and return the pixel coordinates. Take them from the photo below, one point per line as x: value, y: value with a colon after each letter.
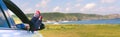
x: 105, y: 21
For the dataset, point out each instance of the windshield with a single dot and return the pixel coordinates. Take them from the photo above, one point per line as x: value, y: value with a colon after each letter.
x: 3, y: 22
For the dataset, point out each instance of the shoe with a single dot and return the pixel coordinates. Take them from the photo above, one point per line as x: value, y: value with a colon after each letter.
x: 40, y: 17
x: 37, y: 14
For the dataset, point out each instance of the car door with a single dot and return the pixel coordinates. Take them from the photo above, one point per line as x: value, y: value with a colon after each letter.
x: 6, y: 23
x: 10, y: 5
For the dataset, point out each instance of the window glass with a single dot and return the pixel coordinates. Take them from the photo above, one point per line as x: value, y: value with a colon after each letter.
x: 3, y: 22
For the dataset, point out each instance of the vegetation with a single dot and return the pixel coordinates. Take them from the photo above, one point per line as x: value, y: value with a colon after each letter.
x: 79, y: 30
x: 75, y: 30
x: 57, y: 16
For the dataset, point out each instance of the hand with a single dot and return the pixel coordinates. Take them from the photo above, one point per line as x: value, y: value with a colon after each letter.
x: 27, y: 27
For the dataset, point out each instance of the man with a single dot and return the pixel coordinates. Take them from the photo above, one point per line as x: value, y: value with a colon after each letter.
x: 36, y: 20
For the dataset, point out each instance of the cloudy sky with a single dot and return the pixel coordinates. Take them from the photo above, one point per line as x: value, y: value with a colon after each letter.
x: 70, y: 6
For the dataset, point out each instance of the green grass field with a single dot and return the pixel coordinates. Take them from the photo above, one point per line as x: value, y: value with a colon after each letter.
x: 82, y: 30
x: 74, y: 30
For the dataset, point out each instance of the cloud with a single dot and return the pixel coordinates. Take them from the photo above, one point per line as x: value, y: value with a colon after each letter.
x: 97, y: 6
x: 28, y: 10
x: 108, y: 9
x: 77, y: 5
x: 43, y: 3
x: 67, y: 9
x: 37, y: 5
x: 56, y: 9
x: 25, y: 4
x: 68, y: 4
x: 88, y: 6
x: 108, y: 1
x: 104, y: 10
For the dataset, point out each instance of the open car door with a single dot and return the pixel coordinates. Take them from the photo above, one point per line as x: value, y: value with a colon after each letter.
x: 10, y: 5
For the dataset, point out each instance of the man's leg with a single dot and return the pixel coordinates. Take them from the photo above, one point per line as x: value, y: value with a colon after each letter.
x: 33, y: 20
x: 35, y: 17
x: 38, y: 23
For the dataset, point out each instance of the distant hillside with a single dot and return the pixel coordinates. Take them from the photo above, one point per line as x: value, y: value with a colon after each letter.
x: 56, y: 16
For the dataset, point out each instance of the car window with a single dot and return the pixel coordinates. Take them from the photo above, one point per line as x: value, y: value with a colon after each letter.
x: 3, y: 22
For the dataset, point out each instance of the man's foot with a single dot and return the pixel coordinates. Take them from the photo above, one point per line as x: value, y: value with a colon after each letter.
x: 40, y: 17
x: 37, y: 14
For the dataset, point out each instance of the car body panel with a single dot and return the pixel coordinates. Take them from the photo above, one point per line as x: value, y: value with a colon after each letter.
x: 18, y: 33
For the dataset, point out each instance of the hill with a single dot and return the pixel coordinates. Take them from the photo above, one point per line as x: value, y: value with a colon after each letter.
x: 57, y: 16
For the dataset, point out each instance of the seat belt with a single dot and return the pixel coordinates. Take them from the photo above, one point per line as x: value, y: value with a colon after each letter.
x: 18, y: 13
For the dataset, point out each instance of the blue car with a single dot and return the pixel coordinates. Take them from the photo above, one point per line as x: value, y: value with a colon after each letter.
x: 7, y: 25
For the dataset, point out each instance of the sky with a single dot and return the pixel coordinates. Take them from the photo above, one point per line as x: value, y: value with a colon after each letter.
x: 102, y: 7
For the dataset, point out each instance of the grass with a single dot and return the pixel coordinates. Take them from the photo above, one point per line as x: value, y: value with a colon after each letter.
x: 80, y: 30
x: 75, y: 30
